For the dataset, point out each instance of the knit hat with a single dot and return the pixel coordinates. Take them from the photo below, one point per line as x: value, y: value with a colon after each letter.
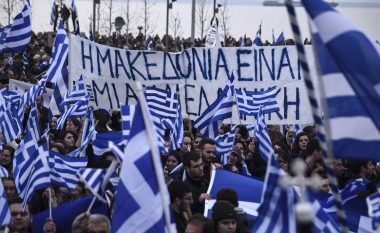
x: 223, y: 210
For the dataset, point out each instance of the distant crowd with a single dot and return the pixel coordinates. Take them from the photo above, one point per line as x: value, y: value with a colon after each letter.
x: 198, y: 154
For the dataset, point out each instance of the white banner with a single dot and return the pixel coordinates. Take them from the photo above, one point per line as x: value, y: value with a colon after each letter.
x: 197, y: 74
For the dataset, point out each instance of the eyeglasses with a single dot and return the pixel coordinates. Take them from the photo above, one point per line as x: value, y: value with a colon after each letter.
x: 22, y: 214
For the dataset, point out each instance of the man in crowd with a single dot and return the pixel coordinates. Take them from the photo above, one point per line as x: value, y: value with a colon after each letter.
x: 181, y: 199
x: 193, y: 165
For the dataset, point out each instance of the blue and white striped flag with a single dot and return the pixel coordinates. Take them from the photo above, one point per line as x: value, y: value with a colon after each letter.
x: 353, y: 105
x: 176, y: 129
x: 277, y: 212
x: 31, y: 169
x: 79, y: 92
x: 3, y: 171
x: 77, y: 110
x: 33, y: 124
x: 257, y: 40
x: 373, y: 202
x: 127, y: 113
x: 224, y: 143
x: 9, y: 126
x: 16, y: 36
x: 162, y: 103
x: 64, y: 169
x: 54, y: 13
x: 5, y: 214
x: 147, y: 212
x: 323, y: 221
x: 249, y: 102
x: 29, y: 97
x: 119, y: 153
x: 251, y: 128
x: 58, y: 70
x: 211, y: 119
x: 266, y: 148
x: 93, y: 178
x: 25, y: 61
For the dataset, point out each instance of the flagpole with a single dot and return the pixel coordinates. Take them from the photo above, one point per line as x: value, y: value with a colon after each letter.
x: 50, y: 212
x: 90, y: 206
x: 155, y: 154
x: 325, y: 136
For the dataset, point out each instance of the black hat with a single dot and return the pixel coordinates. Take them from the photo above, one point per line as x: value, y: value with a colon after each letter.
x: 223, y: 210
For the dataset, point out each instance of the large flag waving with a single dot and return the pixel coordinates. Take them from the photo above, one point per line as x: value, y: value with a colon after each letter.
x: 139, y: 203
x: 350, y: 58
x: 211, y: 119
x: 58, y: 71
x: 16, y: 36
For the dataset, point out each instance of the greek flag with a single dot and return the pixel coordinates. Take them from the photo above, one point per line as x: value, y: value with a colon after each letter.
x: 16, y: 36
x: 58, y: 70
x: 77, y: 110
x: 127, y: 113
x: 249, y: 102
x: 251, y: 130
x: 5, y: 214
x: 176, y: 129
x: 29, y: 97
x: 212, y: 36
x: 257, y: 40
x: 33, y: 123
x: 373, y: 202
x: 211, y: 119
x: 93, y: 178
x: 147, y: 212
x: 224, y: 144
x: 322, y: 222
x: 10, y: 126
x: 266, y: 148
x: 3, y: 172
x: 119, y: 153
x: 353, y: 104
x: 280, y: 39
x: 276, y: 213
x: 54, y: 13
x: 64, y: 169
x: 79, y: 92
x: 31, y: 169
x: 162, y: 103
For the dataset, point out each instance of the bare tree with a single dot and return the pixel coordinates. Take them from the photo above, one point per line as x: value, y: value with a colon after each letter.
x: 175, y: 25
x: 10, y: 8
x: 149, y: 24
x: 225, y: 19
x: 105, y: 17
x: 203, y: 15
x: 129, y: 18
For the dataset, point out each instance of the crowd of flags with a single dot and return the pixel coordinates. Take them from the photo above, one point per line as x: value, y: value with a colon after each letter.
x: 35, y: 167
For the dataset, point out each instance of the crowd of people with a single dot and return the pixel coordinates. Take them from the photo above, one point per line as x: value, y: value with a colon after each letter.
x: 198, y: 155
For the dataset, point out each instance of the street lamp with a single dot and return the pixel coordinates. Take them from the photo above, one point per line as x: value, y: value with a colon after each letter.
x: 169, y: 5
